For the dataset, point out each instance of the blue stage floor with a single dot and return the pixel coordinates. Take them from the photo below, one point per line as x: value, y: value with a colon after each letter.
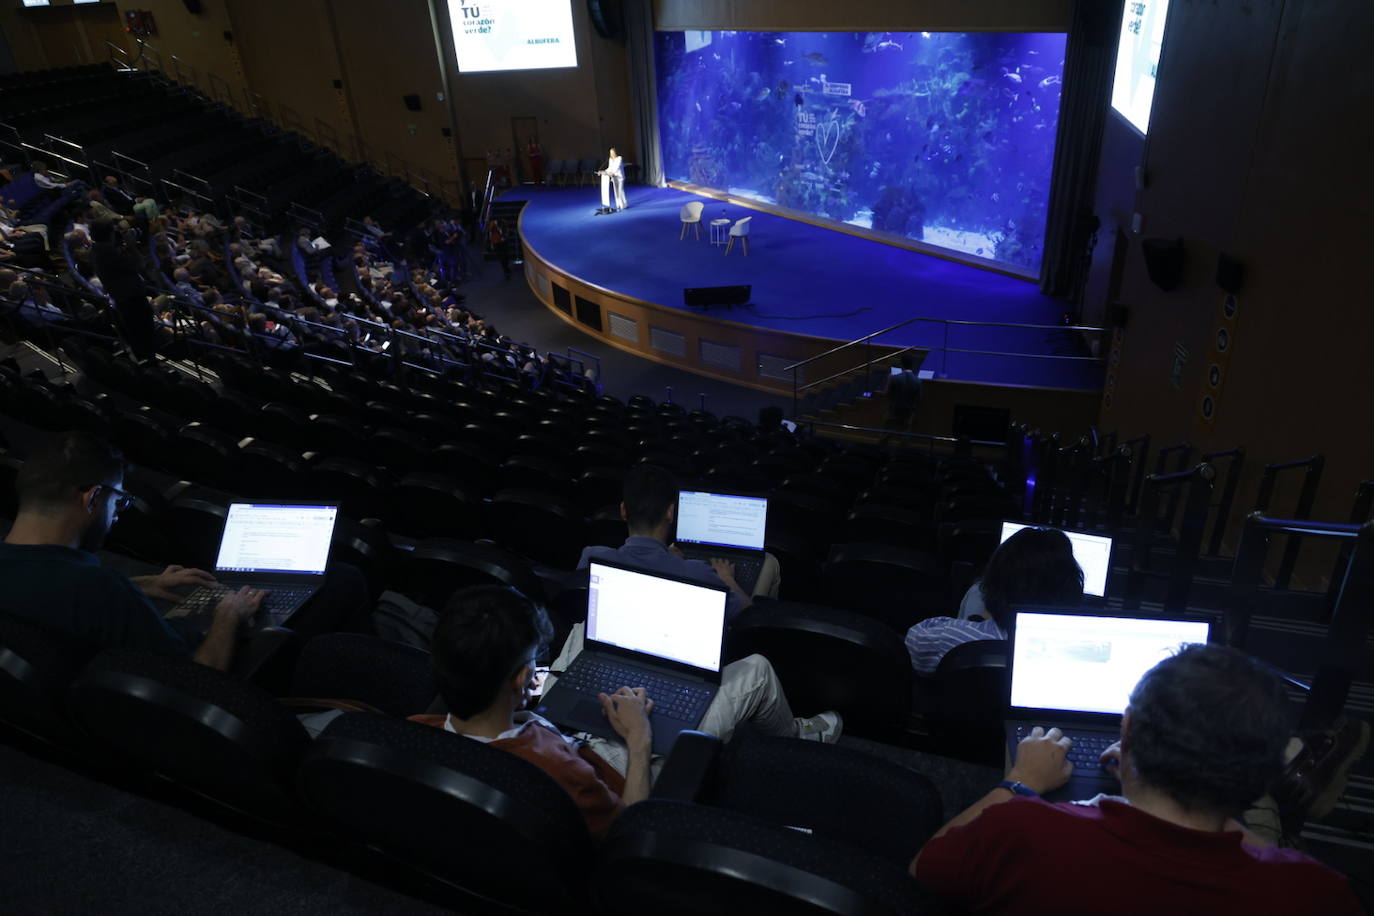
x: 809, y: 280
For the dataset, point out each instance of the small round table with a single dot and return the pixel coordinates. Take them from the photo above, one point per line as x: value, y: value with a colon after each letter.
x: 720, y: 231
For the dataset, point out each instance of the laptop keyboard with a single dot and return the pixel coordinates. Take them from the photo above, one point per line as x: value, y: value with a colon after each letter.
x: 278, y: 604
x: 1087, y: 746
x: 671, y: 698
x: 746, y: 571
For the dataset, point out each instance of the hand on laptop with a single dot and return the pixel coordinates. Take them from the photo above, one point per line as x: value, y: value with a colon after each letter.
x: 1042, y: 763
x: 628, y: 712
x: 1110, y: 759
x: 173, y: 577
x: 724, y: 568
x: 243, y: 603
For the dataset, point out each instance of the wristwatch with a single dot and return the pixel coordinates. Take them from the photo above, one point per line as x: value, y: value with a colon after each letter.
x: 1017, y: 788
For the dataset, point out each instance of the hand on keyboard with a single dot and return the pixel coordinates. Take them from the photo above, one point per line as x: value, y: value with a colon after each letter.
x: 1042, y: 761
x: 243, y: 603
x: 628, y: 712
x: 1111, y: 759
x: 724, y: 568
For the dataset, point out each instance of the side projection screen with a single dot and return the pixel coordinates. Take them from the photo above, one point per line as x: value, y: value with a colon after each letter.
x: 941, y: 137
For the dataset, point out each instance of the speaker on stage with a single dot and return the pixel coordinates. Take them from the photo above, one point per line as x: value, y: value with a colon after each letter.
x: 707, y: 296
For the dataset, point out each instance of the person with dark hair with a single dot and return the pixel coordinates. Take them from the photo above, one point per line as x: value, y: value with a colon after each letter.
x: 1203, y: 737
x: 484, y: 654
x: 70, y: 494
x: 120, y: 269
x: 749, y: 687
x: 1035, y: 566
x: 649, y: 507
x: 485, y: 649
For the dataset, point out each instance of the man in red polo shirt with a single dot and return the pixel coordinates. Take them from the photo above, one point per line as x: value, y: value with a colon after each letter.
x: 1202, y: 738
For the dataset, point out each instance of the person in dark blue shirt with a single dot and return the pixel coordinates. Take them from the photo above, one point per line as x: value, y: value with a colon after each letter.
x: 70, y: 494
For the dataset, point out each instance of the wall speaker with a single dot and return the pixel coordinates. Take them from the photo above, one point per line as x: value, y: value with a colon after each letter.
x: 707, y: 296
x: 1165, y: 260
x: 1118, y: 316
x: 192, y: 7
x: 1230, y: 273
x: 412, y: 102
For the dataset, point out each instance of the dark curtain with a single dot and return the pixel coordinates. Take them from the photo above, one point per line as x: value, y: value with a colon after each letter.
x: 639, y: 36
x: 1088, y: 68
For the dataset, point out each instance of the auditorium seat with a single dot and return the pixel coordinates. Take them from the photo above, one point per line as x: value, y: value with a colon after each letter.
x: 965, y: 699
x: 425, y: 505
x: 827, y: 658
x: 892, y: 584
x: 358, y: 488
x: 36, y: 667
x: 494, y: 830
x: 541, y: 526
x: 674, y: 858
x: 436, y: 568
x: 393, y: 678
x: 194, y: 520
x: 875, y: 523
x: 206, y: 732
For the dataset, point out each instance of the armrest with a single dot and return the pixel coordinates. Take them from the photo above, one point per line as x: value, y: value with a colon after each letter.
x: 690, y: 768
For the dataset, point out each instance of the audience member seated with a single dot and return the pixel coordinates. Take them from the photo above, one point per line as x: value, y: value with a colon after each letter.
x: 649, y: 508
x: 1202, y: 739
x: 485, y: 649
x: 1035, y: 566
x: 70, y: 494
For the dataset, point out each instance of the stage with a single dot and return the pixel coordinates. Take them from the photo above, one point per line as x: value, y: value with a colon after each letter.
x: 620, y: 277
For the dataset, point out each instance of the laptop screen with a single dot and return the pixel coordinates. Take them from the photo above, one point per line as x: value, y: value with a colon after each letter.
x: 276, y: 539
x: 1087, y: 663
x: 1092, y: 551
x: 721, y: 520
x: 678, y: 621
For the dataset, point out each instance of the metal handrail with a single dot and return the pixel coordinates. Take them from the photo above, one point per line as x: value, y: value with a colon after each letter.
x: 591, y: 356
x: 925, y: 437
x: 831, y: 378
x: 949, y: 321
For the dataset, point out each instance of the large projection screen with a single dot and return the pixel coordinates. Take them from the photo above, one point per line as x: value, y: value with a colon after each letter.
x: 945, y: 138
x: 512, y: 34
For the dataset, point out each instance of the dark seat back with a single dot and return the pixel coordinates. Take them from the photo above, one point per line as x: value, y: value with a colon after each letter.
x: 205, y: 731
x: 483, y: 821
x: 36, y: 666
x: 828, y: 658
x: 970, y: 694
x: 389, y: 676
x: 674, y: 858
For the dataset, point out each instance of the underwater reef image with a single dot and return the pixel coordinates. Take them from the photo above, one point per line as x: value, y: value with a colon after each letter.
x: 943, y: 137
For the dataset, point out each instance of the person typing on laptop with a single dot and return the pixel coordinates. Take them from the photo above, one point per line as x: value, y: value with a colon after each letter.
x: 1202, y: 738
x: 70, y: 494
x: 484, y: 654
x: 649, y: 507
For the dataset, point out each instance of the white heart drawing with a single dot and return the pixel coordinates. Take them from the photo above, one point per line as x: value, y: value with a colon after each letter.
x: 827, y: 132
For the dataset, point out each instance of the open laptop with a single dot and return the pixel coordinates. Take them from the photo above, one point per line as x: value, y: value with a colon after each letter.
x: 731, y: 526
x: 645, y: 630
x: 1076, y: 671
x: 1092, y: 551
x: 282, y: 549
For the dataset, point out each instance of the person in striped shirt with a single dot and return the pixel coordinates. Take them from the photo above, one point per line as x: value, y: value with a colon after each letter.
x: 1035, y: 566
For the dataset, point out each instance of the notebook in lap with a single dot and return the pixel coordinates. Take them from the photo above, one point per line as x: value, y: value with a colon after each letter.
x: 731, y: 526
x: 1076, y: 671
x: 645, y: 630
x: 1092, y: 551
x: 282, y: 549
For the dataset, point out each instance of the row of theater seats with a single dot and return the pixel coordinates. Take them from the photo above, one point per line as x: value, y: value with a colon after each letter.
x: 540, y: 473
x: 453, y: 820
x: 185, y: 137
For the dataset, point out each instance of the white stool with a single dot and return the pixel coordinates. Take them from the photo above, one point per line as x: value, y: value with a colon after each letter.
x: 719, y: 232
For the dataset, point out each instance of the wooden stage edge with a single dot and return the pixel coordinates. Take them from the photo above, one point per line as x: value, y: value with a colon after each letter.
x: 714, y: 346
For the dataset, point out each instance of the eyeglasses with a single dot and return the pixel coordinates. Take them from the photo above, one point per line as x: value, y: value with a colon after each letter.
x: 123, y: 499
